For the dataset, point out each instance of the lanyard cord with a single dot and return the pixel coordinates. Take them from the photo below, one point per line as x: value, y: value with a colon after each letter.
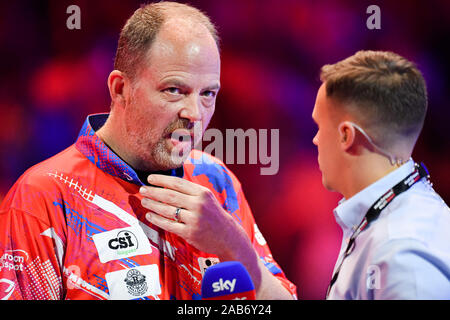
x: 372, y: 214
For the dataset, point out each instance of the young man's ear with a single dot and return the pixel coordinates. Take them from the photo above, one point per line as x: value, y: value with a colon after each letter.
x: 119, y: 88
x: 346, y: 135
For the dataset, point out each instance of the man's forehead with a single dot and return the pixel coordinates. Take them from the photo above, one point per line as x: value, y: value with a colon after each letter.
x: 184, y: 41
x: 319, y: 101
x: 182, y: 32
x: 184, y: 27
x: 332, y: 108
x: 326, y: 106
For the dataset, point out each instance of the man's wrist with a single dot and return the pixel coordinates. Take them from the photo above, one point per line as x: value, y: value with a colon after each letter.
x: 240, y: 249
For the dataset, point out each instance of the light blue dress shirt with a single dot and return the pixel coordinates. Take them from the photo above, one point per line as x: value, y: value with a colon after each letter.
x: 405, y: 253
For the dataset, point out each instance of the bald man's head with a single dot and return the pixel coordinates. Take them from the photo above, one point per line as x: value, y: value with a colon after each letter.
x: 142, y: 28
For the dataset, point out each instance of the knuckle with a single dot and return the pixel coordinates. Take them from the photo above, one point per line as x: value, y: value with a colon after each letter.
x: 170, y: 196
x: 178, y: 184
x: 206, y: 194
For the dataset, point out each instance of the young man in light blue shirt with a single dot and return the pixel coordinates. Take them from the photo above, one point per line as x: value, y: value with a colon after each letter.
x: 370, y: 110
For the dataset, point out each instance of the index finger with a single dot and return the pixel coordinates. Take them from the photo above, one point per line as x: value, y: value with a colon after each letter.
x: 175, y: 183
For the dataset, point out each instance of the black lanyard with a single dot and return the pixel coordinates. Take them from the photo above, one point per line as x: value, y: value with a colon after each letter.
x: 420, y: 171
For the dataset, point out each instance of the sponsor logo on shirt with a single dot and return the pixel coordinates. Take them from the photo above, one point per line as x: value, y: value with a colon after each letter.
x: 13, y: 260
x: 138, y: 282
x: 125, y: 242
x: 121, y: 243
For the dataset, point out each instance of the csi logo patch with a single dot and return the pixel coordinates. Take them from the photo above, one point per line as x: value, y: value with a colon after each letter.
x: 125, y: 242
x: 121, y: 243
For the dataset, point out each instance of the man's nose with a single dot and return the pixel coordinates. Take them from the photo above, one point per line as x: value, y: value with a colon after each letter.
x: 314, y: 140
x: 191, y: 109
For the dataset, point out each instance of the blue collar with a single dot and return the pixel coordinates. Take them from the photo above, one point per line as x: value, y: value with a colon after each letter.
x: 90, y: 145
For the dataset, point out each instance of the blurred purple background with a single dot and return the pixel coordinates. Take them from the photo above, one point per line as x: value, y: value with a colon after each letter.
x: 51, y: 78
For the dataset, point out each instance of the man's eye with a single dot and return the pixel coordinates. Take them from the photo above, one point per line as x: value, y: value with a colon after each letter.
x: 209, y: 94
x: 173, y: 90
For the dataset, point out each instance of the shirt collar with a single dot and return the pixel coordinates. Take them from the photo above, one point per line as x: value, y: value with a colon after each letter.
x: 90, y: 145
x: 349, y: 213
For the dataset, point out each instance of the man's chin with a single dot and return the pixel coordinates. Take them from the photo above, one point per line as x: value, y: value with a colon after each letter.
x: 171, y: 160
x: 326, y: 184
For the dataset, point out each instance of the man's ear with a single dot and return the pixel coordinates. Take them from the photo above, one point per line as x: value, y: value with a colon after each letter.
x: 119, y: 88
x: 346, y: 135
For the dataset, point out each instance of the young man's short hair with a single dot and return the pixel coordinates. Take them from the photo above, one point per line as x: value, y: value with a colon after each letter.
x: 384, y: 91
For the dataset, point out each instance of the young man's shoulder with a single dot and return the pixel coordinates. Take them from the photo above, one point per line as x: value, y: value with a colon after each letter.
x: 419, y: 215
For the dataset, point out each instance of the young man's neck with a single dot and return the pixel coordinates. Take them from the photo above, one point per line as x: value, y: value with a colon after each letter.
x: 363, y: 173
